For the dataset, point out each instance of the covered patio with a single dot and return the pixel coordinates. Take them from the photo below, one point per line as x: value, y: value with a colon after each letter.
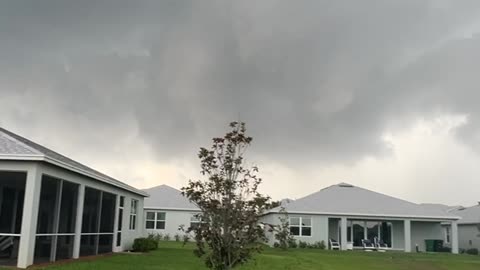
x: 53, y: 208
x: 394, y: 233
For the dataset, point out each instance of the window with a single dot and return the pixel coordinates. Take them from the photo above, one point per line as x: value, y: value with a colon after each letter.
x: 155, y: 220
x: 133, y: 214
x: 194, y: 221
x: 447, y: 235
x: 301, y: 226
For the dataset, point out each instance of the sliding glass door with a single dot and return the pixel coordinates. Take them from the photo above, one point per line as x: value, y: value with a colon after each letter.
x: 371, y: 230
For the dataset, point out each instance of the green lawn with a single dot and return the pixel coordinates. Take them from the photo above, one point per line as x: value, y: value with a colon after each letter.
x: 173, y: 256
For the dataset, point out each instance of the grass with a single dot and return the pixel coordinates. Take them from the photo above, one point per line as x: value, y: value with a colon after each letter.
x: 174, y: 256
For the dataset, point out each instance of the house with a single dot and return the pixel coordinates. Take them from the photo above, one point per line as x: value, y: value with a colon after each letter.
x: 53, y: 208
x: 166, y: 210
x: 468, y: 227
x: 350, y: 214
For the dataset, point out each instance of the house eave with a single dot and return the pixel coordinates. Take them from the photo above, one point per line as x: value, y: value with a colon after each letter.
x: 364, y: 215
x: 68, y: 167
x: 171, y: 209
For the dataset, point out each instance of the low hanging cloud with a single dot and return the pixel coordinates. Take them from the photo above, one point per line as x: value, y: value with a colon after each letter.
x: 318, y: 82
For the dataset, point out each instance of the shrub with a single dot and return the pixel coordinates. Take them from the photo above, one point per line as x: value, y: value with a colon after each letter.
x: 177, y: 237
x: 292, y: 243
x: 166, y: 237
x: 186, y: 238
x: 276, y: 245
x: 317, y: 245
x: 144, y: 244
x: 157, y: 237
x: 472, y: 251
x: 445, y: 249
x: 302, y: 244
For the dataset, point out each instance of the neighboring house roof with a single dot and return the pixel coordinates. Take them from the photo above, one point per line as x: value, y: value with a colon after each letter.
x: 469, y: 215
x: 168, y: 198
x: 349, y: 200
x: 442, y: 207
x: 285, y: 202
x: 15, y: 147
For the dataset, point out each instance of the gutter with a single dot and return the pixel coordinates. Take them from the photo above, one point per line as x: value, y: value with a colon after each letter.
x: 368, y: 215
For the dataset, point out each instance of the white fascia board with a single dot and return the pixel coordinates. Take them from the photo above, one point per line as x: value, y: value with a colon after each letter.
x: 94, y: 176
x: 440, y: 218
x: 146, y: 208
x: 30, y: 157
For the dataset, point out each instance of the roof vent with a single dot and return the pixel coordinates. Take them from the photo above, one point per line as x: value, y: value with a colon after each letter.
x: 345, y: 185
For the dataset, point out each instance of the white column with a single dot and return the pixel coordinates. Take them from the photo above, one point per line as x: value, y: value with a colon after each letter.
x: 454, y: 237
x: 78, y: 222
x: 30, y: 217
x: 365, y: 230
x: 115, y: 224
x: 408, y: 235
x: 343, y: 231
x: 56, y: 221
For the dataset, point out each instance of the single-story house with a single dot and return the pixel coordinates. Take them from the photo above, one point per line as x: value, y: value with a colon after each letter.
x: 52, y: 207
x: 468, y: 227
x: 350, y: 214
x: 166, y: 209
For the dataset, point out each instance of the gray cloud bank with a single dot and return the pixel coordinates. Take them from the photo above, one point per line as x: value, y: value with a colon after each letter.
x: 316, y: 81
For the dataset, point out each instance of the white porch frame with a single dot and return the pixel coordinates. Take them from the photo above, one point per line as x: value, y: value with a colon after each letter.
x: 407, y: 231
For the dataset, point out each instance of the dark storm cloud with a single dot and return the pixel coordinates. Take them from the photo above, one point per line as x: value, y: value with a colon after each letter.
x: 314, y: 80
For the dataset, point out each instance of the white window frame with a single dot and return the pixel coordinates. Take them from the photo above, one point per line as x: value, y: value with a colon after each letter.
x: 156, y: 220
x: 194, y: 219
x: 300, y: 226
x: 133, y: 215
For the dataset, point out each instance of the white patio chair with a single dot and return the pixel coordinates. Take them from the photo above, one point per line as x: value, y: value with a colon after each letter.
x: 380, y: 245
x: 368, y: 245
x: 334, y: 244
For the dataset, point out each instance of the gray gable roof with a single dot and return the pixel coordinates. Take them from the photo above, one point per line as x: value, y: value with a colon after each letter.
x: 166, y: 197
x: 346, y: 199
x: 15, y: 147
x: 469, y: 215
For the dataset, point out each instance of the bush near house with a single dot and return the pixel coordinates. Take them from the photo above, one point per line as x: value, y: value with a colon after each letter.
x: 472, y: 251
x: 301, y: 244
x: 145, y: 244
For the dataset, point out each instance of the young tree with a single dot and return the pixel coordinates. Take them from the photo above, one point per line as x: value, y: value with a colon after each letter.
x: 231, y: 205
x: 282, y: 230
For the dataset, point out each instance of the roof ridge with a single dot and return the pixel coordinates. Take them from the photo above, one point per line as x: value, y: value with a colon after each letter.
x: 388, y: 196
x: 162, y: 185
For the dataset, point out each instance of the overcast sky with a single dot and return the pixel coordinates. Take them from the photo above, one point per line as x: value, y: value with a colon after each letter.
x: 380, y: 94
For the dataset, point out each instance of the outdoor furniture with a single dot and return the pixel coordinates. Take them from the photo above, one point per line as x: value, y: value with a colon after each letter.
x: 380, y: 245
x: 334, y: 244
x: 368, y: 245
